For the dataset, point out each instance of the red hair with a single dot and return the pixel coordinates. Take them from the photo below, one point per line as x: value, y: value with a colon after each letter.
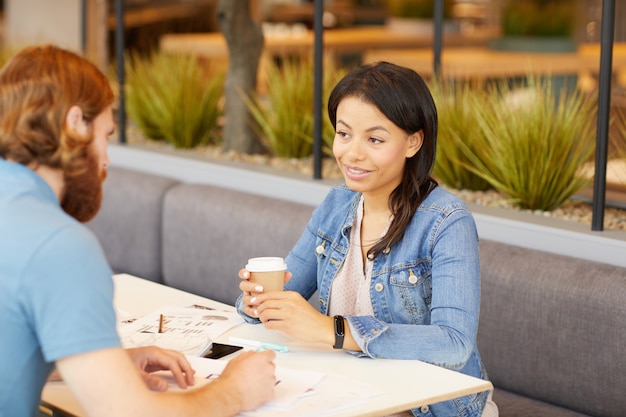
x: 32, y: 121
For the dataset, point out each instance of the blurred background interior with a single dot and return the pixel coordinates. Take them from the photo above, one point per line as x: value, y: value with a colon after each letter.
x: 356, y: 31
x: 146, y: 21
x: 482, y: 39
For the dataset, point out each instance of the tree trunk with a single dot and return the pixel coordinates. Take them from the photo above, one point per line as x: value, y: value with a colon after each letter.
x: 245, y: 44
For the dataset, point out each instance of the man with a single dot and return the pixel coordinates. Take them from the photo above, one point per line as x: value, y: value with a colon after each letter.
x: 55, y: 285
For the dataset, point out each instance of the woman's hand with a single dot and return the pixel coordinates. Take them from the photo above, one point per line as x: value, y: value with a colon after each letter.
x: 151, y: 358
x: 290, y: 313
x: 251, y: 289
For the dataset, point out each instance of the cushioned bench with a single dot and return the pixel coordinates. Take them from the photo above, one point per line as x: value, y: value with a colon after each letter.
x: 553, y: 329
x: 130, y: 222
x: 189, y: 236
x: 210, y: 232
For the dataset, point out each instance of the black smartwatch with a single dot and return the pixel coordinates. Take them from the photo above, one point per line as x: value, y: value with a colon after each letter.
x: 340, y: 332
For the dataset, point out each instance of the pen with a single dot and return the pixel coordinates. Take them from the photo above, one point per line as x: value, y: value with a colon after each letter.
x: 259, y: 345
x: 161, y: 323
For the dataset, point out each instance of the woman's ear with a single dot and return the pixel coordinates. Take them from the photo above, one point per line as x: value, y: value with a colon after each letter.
x: 415, y: 143
x: 74, y: 121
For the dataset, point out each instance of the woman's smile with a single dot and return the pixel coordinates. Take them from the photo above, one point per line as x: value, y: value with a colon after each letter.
x: 355, y: 173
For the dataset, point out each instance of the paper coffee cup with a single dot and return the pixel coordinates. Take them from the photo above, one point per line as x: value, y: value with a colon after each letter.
x: 269, y: 272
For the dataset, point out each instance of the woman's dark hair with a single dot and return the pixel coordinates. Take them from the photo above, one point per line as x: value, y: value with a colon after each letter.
x: 403, y: 97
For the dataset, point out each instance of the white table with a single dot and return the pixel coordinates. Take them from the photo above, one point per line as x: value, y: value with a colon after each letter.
x: 407, y: 384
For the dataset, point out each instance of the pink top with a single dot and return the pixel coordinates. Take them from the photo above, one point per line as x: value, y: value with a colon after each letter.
x: 350, y: 291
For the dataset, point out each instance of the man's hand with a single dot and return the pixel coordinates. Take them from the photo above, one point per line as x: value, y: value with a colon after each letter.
x: 150, y: 359
x: 250, y: 378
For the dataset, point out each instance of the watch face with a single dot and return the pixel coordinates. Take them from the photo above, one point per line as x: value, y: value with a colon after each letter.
x: 339, y: 332
x: 339, y: 329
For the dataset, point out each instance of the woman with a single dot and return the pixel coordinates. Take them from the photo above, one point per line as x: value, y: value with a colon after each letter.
x: 394, y: 257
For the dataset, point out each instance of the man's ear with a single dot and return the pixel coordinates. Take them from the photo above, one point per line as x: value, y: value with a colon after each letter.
x: 415, y: 143
x: 74, y: 121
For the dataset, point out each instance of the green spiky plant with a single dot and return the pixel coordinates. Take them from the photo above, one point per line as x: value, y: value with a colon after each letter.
x: 420, y: 9
x: 535, y: 143
x: 5, y: 55
x: 617, y: 133
x: 284, y: 114
x: 617, y: 142
x: 456, y: 107
x: 173, y: 97
x: 546, y: 18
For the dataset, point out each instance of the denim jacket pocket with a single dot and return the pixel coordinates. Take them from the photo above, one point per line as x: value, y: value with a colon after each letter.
x: 411, y: 288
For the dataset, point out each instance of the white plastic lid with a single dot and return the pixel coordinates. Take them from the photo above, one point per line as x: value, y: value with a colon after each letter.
x: 265, y: 264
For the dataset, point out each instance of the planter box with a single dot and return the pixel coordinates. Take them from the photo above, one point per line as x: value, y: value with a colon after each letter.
x: 515, y: 228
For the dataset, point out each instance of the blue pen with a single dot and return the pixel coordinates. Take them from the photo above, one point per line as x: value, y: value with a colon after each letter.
x: 259, y: 345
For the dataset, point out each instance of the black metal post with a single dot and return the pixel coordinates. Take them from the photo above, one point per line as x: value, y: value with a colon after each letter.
x: 318, y: 58
x: 119, y: 51
x: 604, y: 109
x: 437, y: 37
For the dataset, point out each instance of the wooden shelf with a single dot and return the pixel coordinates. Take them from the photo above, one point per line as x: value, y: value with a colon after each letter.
x: 353, y: 40
x: 148, y: 15
x: 479, y: 63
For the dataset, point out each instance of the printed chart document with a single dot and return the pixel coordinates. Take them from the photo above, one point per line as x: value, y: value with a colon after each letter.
x: 190, y: 330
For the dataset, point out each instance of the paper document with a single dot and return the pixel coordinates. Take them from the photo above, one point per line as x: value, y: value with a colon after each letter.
x: 189, y: 330
x: 291, y: 385
x: 333, y: 393
x: 299, y: 393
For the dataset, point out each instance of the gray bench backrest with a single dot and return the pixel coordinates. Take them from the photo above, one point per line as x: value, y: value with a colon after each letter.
x: 554, y: 328
x: 210, y: 232
x: 129, y: 222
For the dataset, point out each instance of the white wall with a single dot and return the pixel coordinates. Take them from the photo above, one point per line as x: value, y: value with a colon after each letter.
x: 43, y: 21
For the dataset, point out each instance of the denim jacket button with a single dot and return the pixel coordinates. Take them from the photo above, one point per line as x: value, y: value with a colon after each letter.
x: 319, y: 250
x: 424, y: 409
x: 379, y: 287
x: 412, y: 279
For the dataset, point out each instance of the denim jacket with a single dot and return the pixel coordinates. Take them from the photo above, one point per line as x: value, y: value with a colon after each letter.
x: 425, y: 290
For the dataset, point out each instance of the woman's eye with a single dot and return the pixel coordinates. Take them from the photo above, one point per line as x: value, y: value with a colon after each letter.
x: 375, y: 140
x: 341, y: 134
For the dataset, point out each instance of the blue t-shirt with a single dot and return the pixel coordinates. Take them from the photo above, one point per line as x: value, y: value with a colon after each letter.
x: 56, y: 289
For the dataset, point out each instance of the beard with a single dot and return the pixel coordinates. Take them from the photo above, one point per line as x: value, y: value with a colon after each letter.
x: 83, y: 193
